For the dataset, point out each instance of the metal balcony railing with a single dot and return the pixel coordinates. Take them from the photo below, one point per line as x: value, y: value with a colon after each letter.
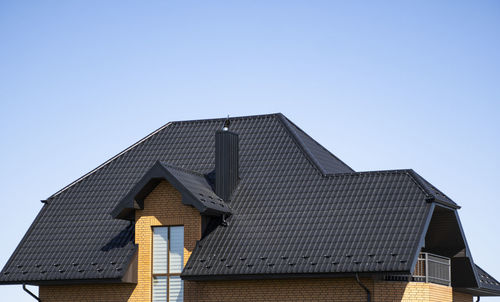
x: 433, y: 268
x: 430, y: 268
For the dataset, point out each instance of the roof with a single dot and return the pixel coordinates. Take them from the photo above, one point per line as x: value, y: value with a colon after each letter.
x: 297, y: 209
x: 487, y: 285
x: 433, y: 192
x: 487, y: 282
x: 353, y: 222
x: 194, y: 188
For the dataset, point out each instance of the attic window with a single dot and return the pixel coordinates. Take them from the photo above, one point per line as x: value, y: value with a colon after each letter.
x: 168, y: 261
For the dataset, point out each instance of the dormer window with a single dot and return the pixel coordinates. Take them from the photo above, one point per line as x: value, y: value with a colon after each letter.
x: 168, y: 262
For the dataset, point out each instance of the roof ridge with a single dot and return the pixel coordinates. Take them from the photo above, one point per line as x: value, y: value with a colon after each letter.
x: 110, y: 160
x: 241, y: 117
x: 418, y: 181
x: 362, y: 173
x: 320, y: 145
x: 415, y: 178
x: 305, y: 150
x: 433, y: 187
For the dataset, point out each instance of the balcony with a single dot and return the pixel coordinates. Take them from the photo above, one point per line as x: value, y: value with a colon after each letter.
x: 430, y: 268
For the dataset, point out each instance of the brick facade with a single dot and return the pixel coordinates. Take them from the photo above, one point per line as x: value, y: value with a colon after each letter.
x: 338, y: 289
x: 412, y: 292
x: 86, y: 293
x: 163, y: 207
x: 461, y: 297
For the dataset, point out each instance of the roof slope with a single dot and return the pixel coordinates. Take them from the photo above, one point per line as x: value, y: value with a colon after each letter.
x: 487, y: 282
x: 356, y: 222
x: 74, y: 237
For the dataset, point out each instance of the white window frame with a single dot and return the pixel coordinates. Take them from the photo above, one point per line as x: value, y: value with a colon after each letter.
x: 168, y: 274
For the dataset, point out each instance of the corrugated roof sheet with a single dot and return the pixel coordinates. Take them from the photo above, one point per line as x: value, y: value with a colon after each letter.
x: 197, y: 184
x: 289, y: 216
x: 357, y: 222
x: 486, y: 281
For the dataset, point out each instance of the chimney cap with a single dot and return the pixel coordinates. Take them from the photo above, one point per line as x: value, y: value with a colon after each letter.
x: 226, y: 124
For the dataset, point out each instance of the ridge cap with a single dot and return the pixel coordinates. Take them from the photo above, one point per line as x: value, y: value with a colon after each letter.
x: 240, y: 117
x: 286, y: 123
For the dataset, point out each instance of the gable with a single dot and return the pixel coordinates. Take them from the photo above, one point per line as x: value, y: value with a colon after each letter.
x: 193, y: 186
x: 445, y: 237
x: 164, y: 207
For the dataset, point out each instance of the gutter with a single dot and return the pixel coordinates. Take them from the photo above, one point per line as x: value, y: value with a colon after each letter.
x: 368, y: 293
x: 30, y: 293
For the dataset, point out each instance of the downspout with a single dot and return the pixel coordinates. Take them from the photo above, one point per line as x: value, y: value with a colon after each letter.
x: 30, y: 293
x: 368, y: 293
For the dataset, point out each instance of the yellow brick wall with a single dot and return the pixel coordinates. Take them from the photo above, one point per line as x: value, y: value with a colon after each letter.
x: 331, y: 289
x: 411, y: 292
x: 86, y: 293
x: 162, y: 207
x: 395, y: 291
x: 311, y: 290
x: 461, y: 297
x: 338, y: 289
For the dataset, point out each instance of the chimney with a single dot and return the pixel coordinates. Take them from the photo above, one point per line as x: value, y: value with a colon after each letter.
x: 226, y: 162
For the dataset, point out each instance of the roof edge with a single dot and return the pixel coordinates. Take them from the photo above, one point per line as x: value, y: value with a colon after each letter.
x: 284, y: 276
x: 110, y: 160
x: 423, y: 232
x: 482, y: 292
x: 28, y: 232
x: 63, y: 281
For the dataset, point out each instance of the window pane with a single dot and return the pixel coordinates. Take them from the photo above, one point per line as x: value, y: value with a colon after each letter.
x: 159, y: 289
x: 176, y: 289
x: 160, y: 247
x: 176, y: 249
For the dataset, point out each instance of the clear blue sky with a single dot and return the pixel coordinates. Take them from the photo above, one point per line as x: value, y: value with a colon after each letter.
x: 383, y: 85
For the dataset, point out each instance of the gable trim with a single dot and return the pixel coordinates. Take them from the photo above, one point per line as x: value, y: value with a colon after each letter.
x: 421, y: 241
x: 134, y: 200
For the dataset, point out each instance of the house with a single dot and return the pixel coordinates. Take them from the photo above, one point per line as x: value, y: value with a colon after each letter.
x: 245, y: 209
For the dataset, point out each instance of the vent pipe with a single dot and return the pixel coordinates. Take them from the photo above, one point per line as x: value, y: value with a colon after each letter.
x: 226, y: 162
